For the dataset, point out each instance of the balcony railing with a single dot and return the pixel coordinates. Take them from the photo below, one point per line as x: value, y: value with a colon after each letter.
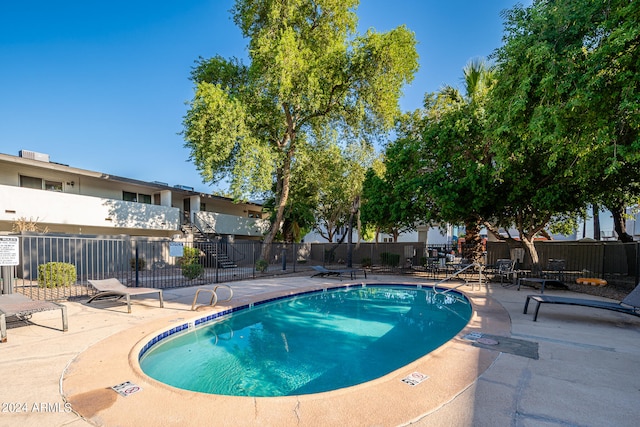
x: 223, y: 224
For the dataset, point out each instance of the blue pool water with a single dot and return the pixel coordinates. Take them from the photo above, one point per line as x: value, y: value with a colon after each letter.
x: 310, y: 343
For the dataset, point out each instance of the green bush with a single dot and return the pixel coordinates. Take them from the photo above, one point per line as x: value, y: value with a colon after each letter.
x: 190, y: 262
x: 389, y: 259
x: 366, y: 262
x: 192, y: 271
x: 262, y: 265
x: 56, y: 274
x: 141, y: 263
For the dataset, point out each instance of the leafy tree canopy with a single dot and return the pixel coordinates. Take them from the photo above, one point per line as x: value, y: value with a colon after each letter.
x: 565, y: 108
x: 308, y: 72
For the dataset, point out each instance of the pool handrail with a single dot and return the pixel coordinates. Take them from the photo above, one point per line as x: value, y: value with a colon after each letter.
x: 214, y: 296
x: 473, y: 264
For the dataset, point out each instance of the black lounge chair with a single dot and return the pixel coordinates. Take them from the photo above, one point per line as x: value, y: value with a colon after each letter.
x: 323, y: 272
x: 20, y: 306
x: 629, y: 305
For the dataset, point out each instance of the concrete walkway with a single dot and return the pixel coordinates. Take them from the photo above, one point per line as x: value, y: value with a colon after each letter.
x: 586, y: 373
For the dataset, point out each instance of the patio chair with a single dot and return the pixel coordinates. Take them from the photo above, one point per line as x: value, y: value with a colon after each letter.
x: 434, y: 266
x: 112, y: 288
x: 629, y: 305
x: 555, y: 269
x: 505, y: 269
x: 553, y: 275
x: 20, y: 306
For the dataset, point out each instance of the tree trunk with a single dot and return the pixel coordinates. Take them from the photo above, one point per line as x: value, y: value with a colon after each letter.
x: 530, y: 249
x: 355, y: 207
x: 596, y: 222
x: 472, y: 249
x: 281, y: 202
x: 350, y: 243
x: 620, y: 225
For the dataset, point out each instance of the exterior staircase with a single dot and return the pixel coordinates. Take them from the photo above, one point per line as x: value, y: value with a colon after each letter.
x: 215, y: 251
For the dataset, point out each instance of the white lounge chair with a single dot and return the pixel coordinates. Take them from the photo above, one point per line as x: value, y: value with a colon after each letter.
x: 21, y: 306
x: 112, y: 288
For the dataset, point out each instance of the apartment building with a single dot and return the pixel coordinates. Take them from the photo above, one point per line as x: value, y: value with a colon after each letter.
x: 65, y: 199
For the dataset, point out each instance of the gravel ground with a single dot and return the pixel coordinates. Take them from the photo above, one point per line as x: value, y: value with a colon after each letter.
x: 611, y: 291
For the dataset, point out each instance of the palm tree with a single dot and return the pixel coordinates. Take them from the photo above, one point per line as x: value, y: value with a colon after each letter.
x: 478, y: 77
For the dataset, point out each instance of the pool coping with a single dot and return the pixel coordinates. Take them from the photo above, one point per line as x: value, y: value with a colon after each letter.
x: 88, y: 380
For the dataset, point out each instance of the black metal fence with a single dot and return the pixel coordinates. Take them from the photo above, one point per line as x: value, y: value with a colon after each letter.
x: 157, y: 263
x: 616, y: 262
x: 135, y: 262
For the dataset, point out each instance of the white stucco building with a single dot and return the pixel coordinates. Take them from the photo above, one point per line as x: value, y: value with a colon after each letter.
x: 65, y: 199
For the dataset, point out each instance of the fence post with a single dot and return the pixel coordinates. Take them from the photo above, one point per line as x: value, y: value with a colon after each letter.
x: 7, y: 279
x: 253, y: 261
x: 637, y: 278
x: 217, y: 259
x: 136, y: 264
x: 604, y: 257
x: 295, y: 256
x: 284, y: 259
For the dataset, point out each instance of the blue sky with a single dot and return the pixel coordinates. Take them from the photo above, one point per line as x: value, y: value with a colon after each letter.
x: 102, y: 85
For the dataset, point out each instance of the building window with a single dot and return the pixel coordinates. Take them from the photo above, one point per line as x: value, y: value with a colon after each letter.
x: 203, y: 207
x: 53, y: 186
x: 37, y: 183
x: 129, y: 197
x: 30, y: 182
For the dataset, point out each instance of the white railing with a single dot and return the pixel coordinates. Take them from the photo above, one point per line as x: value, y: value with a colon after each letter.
x: 217, y: 223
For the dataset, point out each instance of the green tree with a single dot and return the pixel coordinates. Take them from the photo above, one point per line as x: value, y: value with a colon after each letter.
x: 393, y: 200
x: 374, y: 209
x: 334, y: 200
x: 539, y: 163
x: 307, y: 175
x: 441, y: 167
x: 309, y: 71
x: 568, y: 94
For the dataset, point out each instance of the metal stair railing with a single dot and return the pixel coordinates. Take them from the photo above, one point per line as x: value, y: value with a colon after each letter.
x: 220, y: 258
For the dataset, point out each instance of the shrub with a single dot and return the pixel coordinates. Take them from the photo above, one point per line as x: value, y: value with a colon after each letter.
x: 262, y: 265
x: 192, y: 271
x: 190, y: 262
x: 56, y: 274
x: 141, y: 263
x: 366, y: 262
x: 389, y: 259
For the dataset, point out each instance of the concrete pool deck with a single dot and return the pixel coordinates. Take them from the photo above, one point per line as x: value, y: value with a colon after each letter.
x: 586, y: 373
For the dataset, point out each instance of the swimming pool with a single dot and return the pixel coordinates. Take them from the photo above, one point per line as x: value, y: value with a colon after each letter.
x: 308, y: 343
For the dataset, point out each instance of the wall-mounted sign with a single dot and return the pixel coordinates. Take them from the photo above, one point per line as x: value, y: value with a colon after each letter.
x: 9, y: 251
x: 176, y: 249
